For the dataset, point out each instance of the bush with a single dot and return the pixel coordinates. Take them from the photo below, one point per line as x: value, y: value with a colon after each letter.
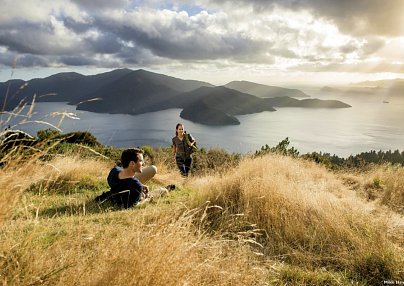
x: 213, y: 161
x: 80, y: 137
x: 77, y: 137
x: 47, y: 134
x: 319, y: 158
x: 280, y: 149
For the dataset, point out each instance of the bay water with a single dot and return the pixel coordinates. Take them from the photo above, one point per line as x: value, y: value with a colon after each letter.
x: 370, y: 124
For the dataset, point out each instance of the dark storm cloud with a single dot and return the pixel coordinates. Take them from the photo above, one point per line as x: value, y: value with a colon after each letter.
x: 32, y: 60
x: 38, y: 39
x: 25, y: 37
x: 77, y: 31
x: 137, y: 55
x: 76, y: 26
x: 182, y: 39
x: 101, y: 4
x: 77, y: 60
x: 7, y: 59
x: 106, y: 43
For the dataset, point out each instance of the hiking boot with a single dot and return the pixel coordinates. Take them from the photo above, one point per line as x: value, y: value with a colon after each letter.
x: 170, y: 187
x: 101, y: 197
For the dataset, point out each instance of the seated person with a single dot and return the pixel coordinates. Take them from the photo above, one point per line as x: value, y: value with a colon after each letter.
x: 126, y: 182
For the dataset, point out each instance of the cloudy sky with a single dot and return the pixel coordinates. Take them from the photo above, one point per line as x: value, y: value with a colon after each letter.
x: 277, y: 42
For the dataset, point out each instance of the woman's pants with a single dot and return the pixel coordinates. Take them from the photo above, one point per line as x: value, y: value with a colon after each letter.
x: 184, y: 164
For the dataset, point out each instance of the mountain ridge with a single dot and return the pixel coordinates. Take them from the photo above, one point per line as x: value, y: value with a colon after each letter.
x: 139, y: 91
x: 262, y: 90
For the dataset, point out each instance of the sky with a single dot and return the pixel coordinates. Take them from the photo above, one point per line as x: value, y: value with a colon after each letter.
x: 283, y: 42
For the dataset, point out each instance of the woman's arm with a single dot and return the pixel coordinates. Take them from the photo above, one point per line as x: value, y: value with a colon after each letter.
x: 174, y: 150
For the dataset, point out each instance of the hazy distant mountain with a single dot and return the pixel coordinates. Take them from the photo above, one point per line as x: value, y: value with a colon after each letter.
x: 330, y: 89
x: 351, y: 90
x: 262, y: 90
x: 387, y: 83
x: 307, y: 103
x: 383, y: 88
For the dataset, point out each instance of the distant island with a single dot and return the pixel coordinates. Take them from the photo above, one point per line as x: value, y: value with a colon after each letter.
x: 391, y: 88
x: 138, y: 91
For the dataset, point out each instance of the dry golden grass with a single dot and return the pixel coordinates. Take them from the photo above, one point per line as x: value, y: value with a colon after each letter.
x: 386, y: 183
x: 113, y: 250
x: 306, y: 215
x: 57, y: 176
x: 270, y: 221
x: 150, y: 246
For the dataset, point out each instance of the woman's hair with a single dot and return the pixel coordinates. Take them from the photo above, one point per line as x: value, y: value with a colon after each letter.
x: 130, y: 155
x: 176, y: 128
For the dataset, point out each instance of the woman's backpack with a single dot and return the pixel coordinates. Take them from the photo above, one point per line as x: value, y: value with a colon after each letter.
x: 188, y: 139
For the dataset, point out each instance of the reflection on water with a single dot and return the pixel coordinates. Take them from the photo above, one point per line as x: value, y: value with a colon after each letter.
x: 369, y: 125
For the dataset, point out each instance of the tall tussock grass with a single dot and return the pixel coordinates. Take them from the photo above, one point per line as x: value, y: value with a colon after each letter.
x: 123, y: 248
x: 303, y: 216
x: 139, y: 246
x: 61, y: 176
x: 64, y: 175
x: 271, y: 220
x: 386, y: 184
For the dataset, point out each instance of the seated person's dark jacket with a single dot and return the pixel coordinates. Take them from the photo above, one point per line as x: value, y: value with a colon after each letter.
x: 124, y: 192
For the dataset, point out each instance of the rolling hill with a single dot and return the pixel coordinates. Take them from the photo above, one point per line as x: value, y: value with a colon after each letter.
x: 218, y: 105
x: 74, y: 88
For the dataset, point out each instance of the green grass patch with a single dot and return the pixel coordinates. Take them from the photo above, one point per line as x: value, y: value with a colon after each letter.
x: 292, y: 275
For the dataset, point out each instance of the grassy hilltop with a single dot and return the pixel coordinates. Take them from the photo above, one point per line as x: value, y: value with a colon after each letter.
x: 265, y: 219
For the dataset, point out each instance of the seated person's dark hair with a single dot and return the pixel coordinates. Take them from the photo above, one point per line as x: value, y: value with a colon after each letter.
x: 130, y: 155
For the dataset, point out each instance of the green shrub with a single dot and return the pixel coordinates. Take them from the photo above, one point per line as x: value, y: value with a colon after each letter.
x: 80, y: 137
x: 319, y: 158
x: 214, y: 160
x: 281, y: 149
x: 47, y: 134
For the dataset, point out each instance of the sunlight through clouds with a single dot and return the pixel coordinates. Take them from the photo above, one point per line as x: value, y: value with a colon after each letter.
x: 243, y: 37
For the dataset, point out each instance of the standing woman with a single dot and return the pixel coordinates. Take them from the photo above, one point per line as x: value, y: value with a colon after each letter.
x: 182, y: 150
